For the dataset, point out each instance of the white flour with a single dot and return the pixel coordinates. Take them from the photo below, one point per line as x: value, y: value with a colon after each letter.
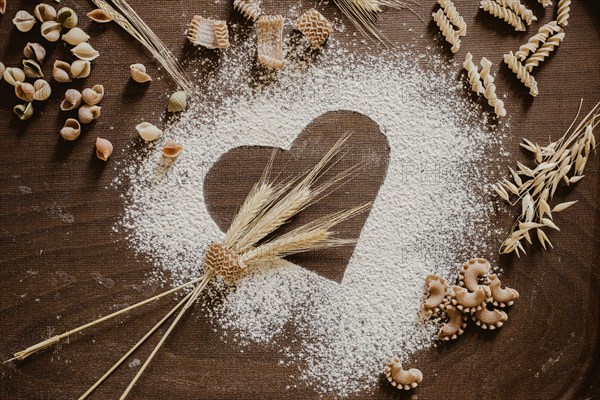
x: 427, y: 216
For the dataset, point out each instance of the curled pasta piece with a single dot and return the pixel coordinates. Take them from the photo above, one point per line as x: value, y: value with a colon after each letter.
x: 473, y: 73
x: 455, y: 326
x: 454, y: 17
x: 545, y: 3
x: 472, y: 270
x: 503, y: 13
x: 525, y: 13
x: 489, y: 319
x: 401, y: 378
x: 522, y: 74
x: 544, y: 51
x: 562, y: 18
x: 467, y: 301
x: 270, y: 41
x: 437, y: 290
x: 502, y: 297
x: 494, y: 101
x: 447, y: 30
x: 537, y: 40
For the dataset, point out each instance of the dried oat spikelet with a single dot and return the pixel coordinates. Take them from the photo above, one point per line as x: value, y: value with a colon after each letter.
x: 210, y: 33
x: 80, y: 69
x: 171, y: 149
x: 314, y: 26
x: 521, y: 72
x: 447, y: 29
x: 104, y: 148
x: 467, y: 301
x: 454, y: 17
x: 44, y: 12
x: 42, y: 90
x: 94, y: 95
x: 503, y: 13
x: 61, y: 71
x: 562, y: 18
x: 100, y: 16
x: 502, y: 297
x: 489, y: 319
x: 454, y: 326
x: 71, y: 130
x: 75, y: 36
x: 473, y: 73
x: 88, y: 113
x: 544, y: 51
x: 537, y: 40
x: 138, y: 73
x: 34, y: 51
x: 23, y: 111
x: 269, y: 31
x: 51, y: 30
x: 490, y: 88
x: 250, y: 9
x: 471, y: 272
x: 71, y: 101
x: 401, y: 378
x: 437, y: 290
x: 23, y: 21
x: 13, y: 75
x: 523, y: 12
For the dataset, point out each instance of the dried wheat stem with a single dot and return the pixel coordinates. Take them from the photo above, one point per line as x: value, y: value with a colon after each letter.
x: 21, y: 355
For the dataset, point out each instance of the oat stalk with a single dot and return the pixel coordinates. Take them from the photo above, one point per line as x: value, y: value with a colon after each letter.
x: 561, y: 162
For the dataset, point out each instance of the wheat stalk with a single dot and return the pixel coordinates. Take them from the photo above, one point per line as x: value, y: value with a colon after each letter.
x: 561, y: 161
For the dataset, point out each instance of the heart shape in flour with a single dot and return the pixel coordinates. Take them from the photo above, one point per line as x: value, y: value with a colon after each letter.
x: 230, y: 179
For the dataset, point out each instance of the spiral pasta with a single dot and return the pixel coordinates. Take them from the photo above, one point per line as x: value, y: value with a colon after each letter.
x: 503, y: 13
x: 473, y: 73
x: 453, y: 16
x: 447, y: 30
x: 525, y: 13
x: 490, y: 88
x: 544, y: 51
x: 522, y: 74
x: 537, y: 40
x: 564, y: 6
x: 545, y: 3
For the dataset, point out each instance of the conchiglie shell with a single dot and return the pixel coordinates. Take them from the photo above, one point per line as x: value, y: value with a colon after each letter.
x: 94, y: 95
x: 72, y: 100
x: 25, y: 91
x: 104, y: 149
x: 23, y: 111
x: 489, y: 319
x: 80, y: 69
x: 13, y: 75
x: 471, y: 271
x: 61, y: 71
x: 35, y: 51
x: 44, y: 12
x: 67, y: 17
x: 99, y: 16
x: 32, y: 69
x: 71, y: 130
x: 177, y: 101
x: 401, y: 378
x: 75, y: 36
x: 148, y: 132
x: 51, y: 30
x: 138, y: 73
x: 23, y: 21
x: 88, y: 113
x: 42, y: 90
x: 84, y: 51
x: 171, y: 149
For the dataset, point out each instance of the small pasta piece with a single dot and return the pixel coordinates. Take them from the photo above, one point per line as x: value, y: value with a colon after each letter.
x: 545, y: 3
x: 503, y: 13
x: 522, y: 74
x: 544, y: 51
x: 490, y: 88
x: 525, y: 13
x: 210, y: 33
x: 473, y: 73
x: 564, y: 6
x: 537, y: 40
x: 270, y: 41
x: 250, y: 9
x: 453, y: 16
x: 447, y: 30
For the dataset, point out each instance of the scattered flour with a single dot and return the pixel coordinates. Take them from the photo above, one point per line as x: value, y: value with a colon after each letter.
x: 429, y: 215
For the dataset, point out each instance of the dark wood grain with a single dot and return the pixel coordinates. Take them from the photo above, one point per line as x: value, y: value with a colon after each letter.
x: 62, y: 265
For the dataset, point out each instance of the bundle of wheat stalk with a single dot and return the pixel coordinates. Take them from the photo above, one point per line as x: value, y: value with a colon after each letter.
x: 364, y: 14
x: 126, y: 17
x: 248, y: 244
x: 563, y: 160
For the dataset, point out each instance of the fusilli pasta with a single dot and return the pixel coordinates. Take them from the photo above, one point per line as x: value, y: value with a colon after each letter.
x: 564, y: 6
x: 544, y: 51
x: 522, y: 74
x: 525, y: 13
x: 473, y: 73
x: 537, y: 40
x: 453, y: 16
x: 503, y: 13
x: 490, y: 88
x: 545, y: 3
x: 447, y: 30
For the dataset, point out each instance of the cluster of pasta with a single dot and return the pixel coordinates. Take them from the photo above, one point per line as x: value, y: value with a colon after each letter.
x: 538, y: 47
x: 484, y: 83
x: 451, y: 24
x: 478, y: 295
x: 511, y: 11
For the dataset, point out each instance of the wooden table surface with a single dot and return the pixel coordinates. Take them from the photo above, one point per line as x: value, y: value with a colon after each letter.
x: 62, y: 265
